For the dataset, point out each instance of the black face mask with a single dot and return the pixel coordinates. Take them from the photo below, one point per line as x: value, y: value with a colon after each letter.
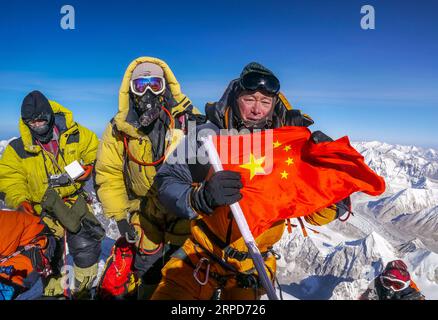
x: 35, y: 106
x: 147, y: 107
x: 43, y: 133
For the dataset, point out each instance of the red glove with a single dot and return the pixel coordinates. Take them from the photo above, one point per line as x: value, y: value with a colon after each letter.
x: 88, y: 170
x: 27, y: 207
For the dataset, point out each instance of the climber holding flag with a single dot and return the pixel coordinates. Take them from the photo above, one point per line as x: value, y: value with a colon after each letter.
x: 214, y: 263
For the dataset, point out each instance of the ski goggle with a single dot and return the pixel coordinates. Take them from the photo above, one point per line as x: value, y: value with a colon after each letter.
x: 155, y: 84
x: 394, y: 284
x: 256, y: 81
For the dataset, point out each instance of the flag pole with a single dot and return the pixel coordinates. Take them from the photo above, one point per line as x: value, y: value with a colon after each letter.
x: 253, y: 250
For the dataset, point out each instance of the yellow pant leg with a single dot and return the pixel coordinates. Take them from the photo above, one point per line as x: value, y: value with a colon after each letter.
x: 233, y: 292
x: 152, y: 236
x: 178, y: 283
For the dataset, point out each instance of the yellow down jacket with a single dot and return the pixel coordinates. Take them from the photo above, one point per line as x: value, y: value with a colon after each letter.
x: 24, y: 170
x: 123, y: 183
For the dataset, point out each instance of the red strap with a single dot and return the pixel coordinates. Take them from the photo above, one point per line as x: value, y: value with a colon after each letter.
x: 302, y: 226
x: 289, y: 226
x: 144, y: 251
x: 348, y: 216
x: 314, y: 231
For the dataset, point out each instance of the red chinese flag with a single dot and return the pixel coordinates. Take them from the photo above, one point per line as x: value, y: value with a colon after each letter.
x: 286, y: 175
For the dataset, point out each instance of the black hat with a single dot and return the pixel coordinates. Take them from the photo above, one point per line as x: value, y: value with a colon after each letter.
x: 35, y: 106
x: 256, y: 67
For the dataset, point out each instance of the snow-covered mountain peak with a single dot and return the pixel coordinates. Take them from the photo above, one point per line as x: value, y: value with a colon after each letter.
x: 411, y: 246
x: 373, y: 250
x: 402, y: 166
x: 375, y: 246
x: 400, y: 224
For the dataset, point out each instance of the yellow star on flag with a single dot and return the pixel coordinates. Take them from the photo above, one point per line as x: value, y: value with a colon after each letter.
x: 289, y: 161
x: 287, y: 148
x: 284, y: 174
x: 277, y: 144
x: 254, y: 165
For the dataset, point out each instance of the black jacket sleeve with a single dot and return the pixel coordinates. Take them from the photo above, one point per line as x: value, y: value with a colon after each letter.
x: 186, y: 166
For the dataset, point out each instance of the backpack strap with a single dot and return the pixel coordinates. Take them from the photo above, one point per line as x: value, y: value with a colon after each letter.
x: 229, y: 251
x: 289, y: 225
x: 303, y: 228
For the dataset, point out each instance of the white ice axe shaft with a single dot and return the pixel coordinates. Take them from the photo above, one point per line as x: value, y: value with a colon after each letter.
x: 253, y: 250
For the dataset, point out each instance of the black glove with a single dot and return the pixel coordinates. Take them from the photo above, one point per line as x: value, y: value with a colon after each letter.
x: 143, y: 204
x: 223, y: 188
x: 319, y: 136
x: 415, y: 295
x: 127, y: 230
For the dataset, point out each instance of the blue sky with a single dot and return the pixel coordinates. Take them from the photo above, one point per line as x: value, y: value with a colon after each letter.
x: 377, y: 84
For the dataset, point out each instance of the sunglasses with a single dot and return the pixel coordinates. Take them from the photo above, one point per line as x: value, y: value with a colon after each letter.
x: 256, y: 81
x: 394, y: 284
x: 155, y: 84
x: 37, y: 121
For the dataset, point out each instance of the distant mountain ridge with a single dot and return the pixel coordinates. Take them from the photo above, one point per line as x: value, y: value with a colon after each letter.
x: 341, y: 261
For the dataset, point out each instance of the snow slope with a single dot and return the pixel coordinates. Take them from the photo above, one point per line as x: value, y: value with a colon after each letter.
x: 3, y: 145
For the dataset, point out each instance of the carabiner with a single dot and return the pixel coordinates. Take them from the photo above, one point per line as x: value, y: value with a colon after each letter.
x: 207, y: 271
